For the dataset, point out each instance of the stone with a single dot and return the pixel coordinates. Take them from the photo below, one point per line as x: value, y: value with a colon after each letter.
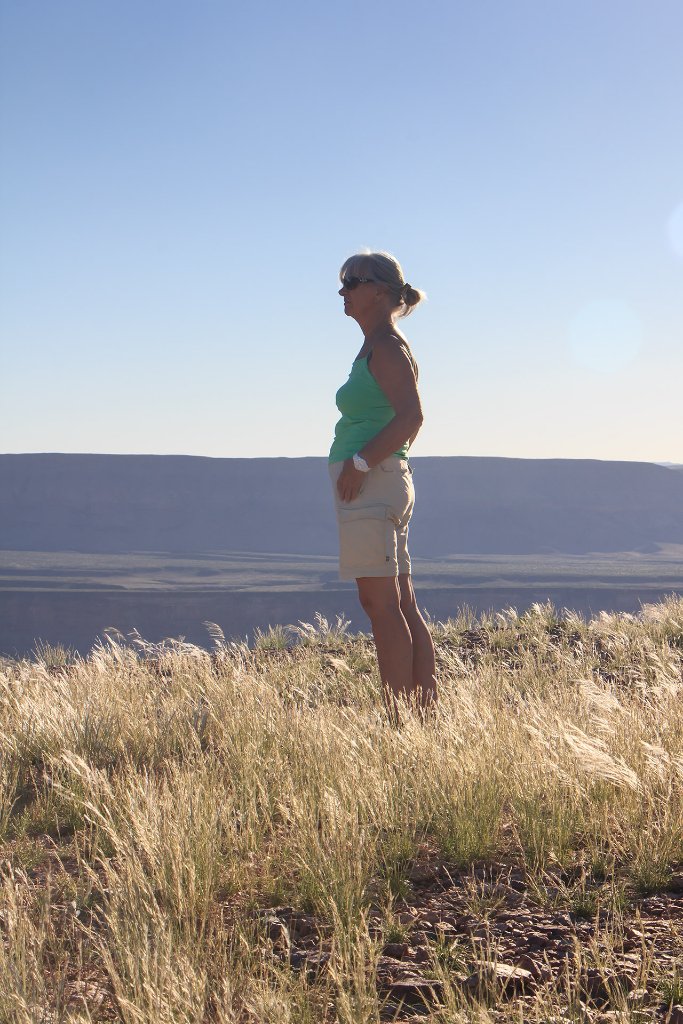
x: 515, y: 899
x: 593, y: 985
x: 639, y: 997
x: 405, y: 918
x: 387, y: 966
x: 302, y: 925
x: 423, y: 874
x: 91, y: 993
x: 556, y: 933
x: 277, y: 932
x: 312, y: 963
x: 676, y: 1015
x: 537, y: 971
x: 598, y: 986
x: 507, y: 915
x: 431, y: 917
x: 439, y: 931
x: 462, y: 922
x: 415, y: 989
x: 511, y: 979
x: 397, y: 950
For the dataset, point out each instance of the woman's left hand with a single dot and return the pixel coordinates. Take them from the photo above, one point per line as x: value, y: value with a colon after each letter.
x: 350, y: 481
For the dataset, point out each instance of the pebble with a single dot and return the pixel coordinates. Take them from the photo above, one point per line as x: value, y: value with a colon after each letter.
x: 512, y: 979
x: 396, y: 950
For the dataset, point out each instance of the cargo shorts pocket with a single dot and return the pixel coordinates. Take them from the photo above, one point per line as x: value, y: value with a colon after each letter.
x: 367, y: 541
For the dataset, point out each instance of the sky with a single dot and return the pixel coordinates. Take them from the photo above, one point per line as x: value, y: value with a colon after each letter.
x: 180, y: 183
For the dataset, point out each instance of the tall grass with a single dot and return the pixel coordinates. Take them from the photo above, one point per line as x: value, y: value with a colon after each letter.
x: 184, y: 790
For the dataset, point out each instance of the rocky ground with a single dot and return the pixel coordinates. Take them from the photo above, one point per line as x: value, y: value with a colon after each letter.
x: 496, y: 942
x: 489, y: 936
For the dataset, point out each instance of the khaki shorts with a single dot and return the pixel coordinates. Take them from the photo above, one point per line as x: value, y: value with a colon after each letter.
x: 373, y: 529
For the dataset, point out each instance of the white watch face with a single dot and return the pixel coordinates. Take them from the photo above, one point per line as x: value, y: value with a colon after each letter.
x: 360, y: 463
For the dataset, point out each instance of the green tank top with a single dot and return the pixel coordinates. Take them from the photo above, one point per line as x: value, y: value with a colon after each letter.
x: 364, y: 409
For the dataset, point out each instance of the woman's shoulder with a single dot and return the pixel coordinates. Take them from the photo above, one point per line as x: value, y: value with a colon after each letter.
x: 391, y: 341
x: 394, y: 346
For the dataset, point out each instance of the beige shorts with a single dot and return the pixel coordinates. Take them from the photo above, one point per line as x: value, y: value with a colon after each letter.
x: 373, y: 529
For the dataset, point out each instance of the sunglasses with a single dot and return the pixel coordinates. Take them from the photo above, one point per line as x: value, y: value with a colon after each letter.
x: 352, y: 282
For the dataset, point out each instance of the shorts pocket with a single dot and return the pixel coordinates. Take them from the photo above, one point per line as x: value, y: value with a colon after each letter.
x: 395, y: 465
x: 367, y: 539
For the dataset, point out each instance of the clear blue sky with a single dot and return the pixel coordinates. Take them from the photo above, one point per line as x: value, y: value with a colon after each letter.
x: 181, y: 182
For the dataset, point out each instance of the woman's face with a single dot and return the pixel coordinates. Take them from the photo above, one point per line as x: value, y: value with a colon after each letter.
x: 359, y: 295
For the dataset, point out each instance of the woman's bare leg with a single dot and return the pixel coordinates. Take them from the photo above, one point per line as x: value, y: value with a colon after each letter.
x: 424, y: 662
x: 405, y: 651
x: 381, y: 600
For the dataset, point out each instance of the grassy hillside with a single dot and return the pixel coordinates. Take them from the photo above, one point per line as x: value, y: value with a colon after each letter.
x: 241, y: 836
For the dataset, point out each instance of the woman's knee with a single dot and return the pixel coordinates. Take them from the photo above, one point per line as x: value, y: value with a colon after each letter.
x: 378, y: 596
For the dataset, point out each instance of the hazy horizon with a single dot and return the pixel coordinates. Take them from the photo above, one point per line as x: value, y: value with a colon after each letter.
x: 666, y: 463
x: 180, y: 187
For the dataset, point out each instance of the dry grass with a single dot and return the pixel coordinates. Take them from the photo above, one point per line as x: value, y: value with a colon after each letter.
x: 155, y: 799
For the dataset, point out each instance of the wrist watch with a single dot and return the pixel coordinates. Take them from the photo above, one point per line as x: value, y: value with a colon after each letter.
x: 360, y: 463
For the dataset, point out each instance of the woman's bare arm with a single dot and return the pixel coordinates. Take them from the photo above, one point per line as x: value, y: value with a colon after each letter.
x: 393, y: 370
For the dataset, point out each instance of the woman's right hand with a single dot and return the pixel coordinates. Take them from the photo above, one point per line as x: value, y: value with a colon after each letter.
x: 349, y: 482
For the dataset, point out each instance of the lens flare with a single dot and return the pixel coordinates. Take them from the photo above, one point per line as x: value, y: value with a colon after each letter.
x: 675, y: 228
x: 605, y: 335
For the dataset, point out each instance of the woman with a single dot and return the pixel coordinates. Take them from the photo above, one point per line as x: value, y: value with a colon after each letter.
x: 372, y: 479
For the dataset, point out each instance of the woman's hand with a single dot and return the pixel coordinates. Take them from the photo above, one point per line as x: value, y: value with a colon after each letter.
x: 350, y: 481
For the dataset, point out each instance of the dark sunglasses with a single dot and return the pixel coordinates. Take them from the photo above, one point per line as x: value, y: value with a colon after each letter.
x: 352, y: 282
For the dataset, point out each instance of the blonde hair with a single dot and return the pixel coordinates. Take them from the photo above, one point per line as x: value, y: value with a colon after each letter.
x: 384, y: 269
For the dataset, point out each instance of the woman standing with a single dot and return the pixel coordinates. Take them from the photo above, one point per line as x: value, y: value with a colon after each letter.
x: 372, y: 479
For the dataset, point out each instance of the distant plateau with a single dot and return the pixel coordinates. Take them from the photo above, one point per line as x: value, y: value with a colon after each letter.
x: 163, y: 544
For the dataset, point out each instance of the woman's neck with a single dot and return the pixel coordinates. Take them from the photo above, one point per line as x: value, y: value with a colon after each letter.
x: 377, y: 326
